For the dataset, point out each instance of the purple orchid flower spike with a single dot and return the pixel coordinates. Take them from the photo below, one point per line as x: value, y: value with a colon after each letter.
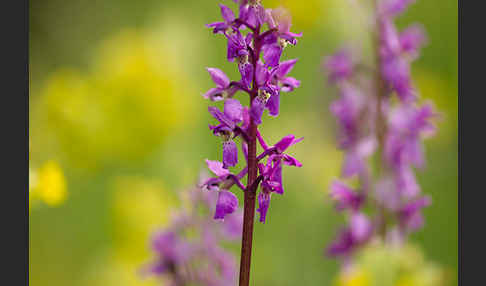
x: 379, y: 116
x: 257, y: 51
x: 193, y: 239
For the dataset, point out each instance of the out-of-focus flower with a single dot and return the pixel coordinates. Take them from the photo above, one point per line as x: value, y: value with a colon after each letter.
x: 189, y: 251
x: 385, y: 265
x: 379, y: 114
x: 47, y: 184
x: 119, y: 111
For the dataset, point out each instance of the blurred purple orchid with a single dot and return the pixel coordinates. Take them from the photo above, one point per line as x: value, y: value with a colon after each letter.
x: 373, y: 122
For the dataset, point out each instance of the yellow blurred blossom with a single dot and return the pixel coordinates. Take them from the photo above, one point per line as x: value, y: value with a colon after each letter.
x: 385, y: 265
x: 121, y: 110
x: 48, y: 184
x: 355, y: 277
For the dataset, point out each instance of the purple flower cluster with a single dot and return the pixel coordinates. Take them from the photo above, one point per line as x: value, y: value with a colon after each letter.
x: 264, y: 76
x: 188, y: 252
x: 375, y: 123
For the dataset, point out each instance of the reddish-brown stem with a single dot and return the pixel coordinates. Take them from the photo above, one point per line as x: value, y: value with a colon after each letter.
x: 250, y: 193
x: 249, y: 211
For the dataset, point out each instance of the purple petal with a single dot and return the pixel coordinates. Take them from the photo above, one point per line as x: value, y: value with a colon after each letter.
x: 214, y: 94
x: 233, y: 110
x: 251, y: 16
x: 246, y: 118
x: 411, y: 39
x: 157, y: 268
x: 285, y: 143
x: 246, y: 71
x: 233, y: 225
x: 270, y: 39
x: 170, y: 247
x: 282, y: 18
x: 361, y: 227
x: 410, y: 215
x: 271, y: 55
x: 277, y: 178
x: 269, y: 19
x: 386, y: 194
x: 256, y: 110
x: 339, y: 65
x: 164, y: 243
x: 289, y: 84
x: 219, y: 77
x: 212, y: 184
x: 285, y: 67
x: 273, y: 105
x: 407, y: 183
x: 261, y: 74
x: 244, y: 149
x: 345, y: 196
x: 217, y: 168
x: 227, y: 14
x: 390, y: 43
x: 263, y: 204
x: 395, y: 7
x: 353, y: 164
x: 291, y: 161
x: 230, y: 154
x: 221, y: 117
x: 397, y: 72
x: 342, y: 245
x: 218, y: 27
x: 227, y: 203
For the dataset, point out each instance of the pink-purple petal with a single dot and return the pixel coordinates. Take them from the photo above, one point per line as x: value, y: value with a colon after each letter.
x: 227, y: 13
x: 230, y: 154
x: 233, y: 110
x: 273, y: 105
x: 219, y: 77
x: 256, y: 110
x: 227, y: 204
x: 217, y: 168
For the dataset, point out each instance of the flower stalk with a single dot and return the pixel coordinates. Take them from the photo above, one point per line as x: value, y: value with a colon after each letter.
x: 263, y: 78
x: 380, y: 115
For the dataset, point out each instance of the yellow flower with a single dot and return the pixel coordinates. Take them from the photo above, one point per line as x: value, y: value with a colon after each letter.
x: 50, y: 185
x: 121, y: 110
x: 354, y: 277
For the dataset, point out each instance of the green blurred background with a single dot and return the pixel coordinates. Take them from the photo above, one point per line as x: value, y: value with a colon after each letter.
x: 116, y: 103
